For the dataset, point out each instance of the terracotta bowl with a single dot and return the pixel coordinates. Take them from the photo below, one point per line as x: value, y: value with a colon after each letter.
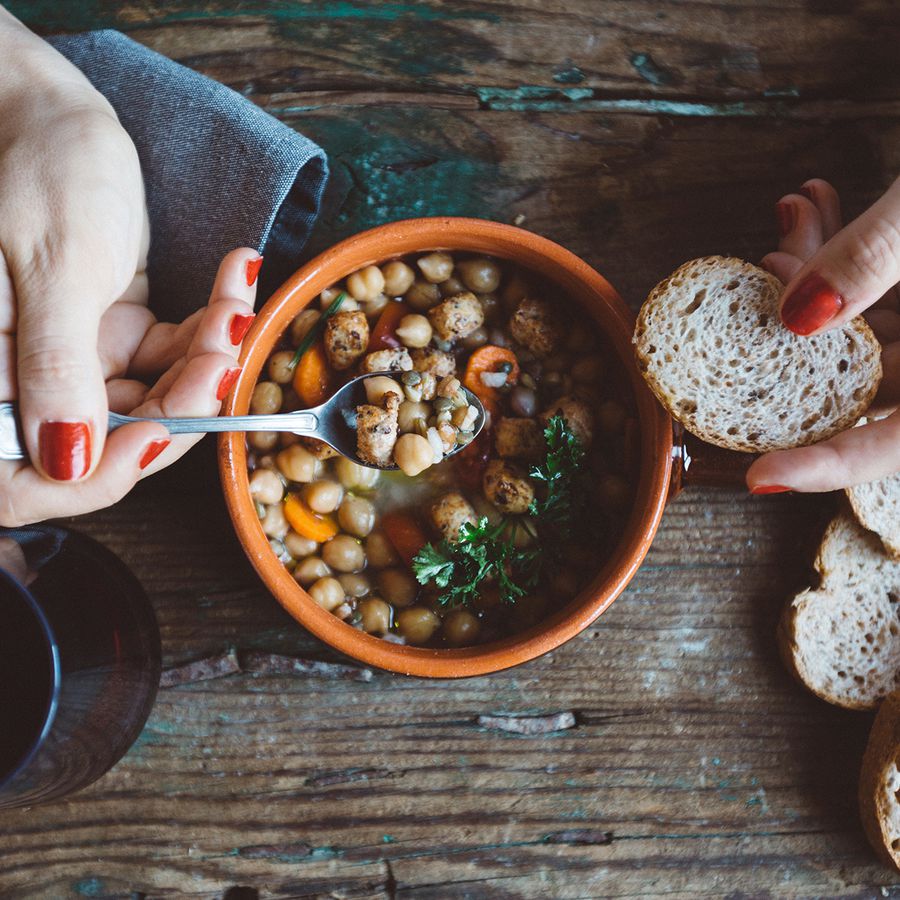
x: 596, y: 297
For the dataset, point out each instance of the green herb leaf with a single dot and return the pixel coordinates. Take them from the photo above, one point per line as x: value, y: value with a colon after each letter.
x: 560, y: 471
x: 315, y: 332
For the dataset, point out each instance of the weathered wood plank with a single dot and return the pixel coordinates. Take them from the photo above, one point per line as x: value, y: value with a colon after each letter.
x: 624, y: 48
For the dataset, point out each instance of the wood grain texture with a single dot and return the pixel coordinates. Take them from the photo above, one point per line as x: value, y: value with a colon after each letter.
x: 639, y: 135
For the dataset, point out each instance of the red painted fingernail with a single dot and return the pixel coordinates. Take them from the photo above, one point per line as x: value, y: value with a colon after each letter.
x: 785, y: 213
x: 812, y: 304
x: 154, y: 448
x: 227, y: 382
x: 769, y: 489
x: 65, y: 449
x: 253, y: 267
x: 240, y: 325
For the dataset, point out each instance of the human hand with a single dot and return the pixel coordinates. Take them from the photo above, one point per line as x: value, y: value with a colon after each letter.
x: 190, y: 366
x: 833, y: 273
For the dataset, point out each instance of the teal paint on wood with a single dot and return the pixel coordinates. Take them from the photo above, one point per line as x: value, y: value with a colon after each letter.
x: 650, y: 70
x: 89, y: 887
x: 568, y: 73
x: 50, y: 15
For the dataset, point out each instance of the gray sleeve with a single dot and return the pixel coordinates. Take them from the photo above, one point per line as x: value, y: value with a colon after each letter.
x: 219, y: 172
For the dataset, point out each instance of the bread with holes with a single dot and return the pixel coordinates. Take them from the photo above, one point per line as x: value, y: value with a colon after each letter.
x: 842, y: 638
x: 711, y: 345
x: 879, y: 783
x: 877, y: 507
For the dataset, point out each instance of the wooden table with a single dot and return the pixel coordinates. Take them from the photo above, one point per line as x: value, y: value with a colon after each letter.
x: 639, y: 134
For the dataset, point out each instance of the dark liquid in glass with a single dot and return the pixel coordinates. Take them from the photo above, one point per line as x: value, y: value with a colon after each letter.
x: 103, y: 628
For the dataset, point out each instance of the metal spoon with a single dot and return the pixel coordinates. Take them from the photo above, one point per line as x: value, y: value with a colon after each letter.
x: 333, y: 422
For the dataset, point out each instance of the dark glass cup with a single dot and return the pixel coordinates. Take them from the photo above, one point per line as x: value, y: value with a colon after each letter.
x: 79, y: 662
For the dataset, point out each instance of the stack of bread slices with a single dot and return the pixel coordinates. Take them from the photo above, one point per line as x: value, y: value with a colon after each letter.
x: 711, y: 346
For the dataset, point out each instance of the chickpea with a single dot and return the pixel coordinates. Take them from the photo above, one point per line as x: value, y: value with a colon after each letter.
x: 481, y: 276
x: 279, y: 368
x: 366, y: 284
x: 375, y: 307
x: 588, y: 369
x: 355, y: 585
x: 422, y: 295
x: 436, y: 267
x: 376, y: 616
x: 302, y: 324
x: 397, y: 587
x: 266, y: 486
x: 274, y: 524
x: 461, y: 628
x: 266, y: 399
x: 613, y: 491
x: 478, y: 338
x: 380, y: 551
x: 379, y: 385
x: 352, y: 475
x: 398, y: 277
x: 310, y: 570
x: 328, y: 593
x: 296, y: 463
x: 262, y: 440
x: 344, y: 554
x: 298, y: 546
x: 356, y: 515
x: 408, y: 413
x: 451, y: 287
x: 611, y: 416
x: 417, y: 624
x: 414, y: 331
x: 326, y: 298
x: 491, y: 306
x: 323, y: 496
x: 514, y: 291
x: 413, y: 454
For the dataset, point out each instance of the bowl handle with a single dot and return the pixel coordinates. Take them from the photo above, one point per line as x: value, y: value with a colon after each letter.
x: 696, y: 462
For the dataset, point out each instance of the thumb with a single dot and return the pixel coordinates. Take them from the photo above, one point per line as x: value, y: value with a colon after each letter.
x: 847, y: 275
x: 62, y: 396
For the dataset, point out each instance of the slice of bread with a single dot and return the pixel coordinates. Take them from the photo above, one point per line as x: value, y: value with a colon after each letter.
x: 877, y: 506
x: 842, y: 639
x: 879, y: 783
x: 712, y: 347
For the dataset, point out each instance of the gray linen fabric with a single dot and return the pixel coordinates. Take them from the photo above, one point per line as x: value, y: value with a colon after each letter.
x: 219, y: 172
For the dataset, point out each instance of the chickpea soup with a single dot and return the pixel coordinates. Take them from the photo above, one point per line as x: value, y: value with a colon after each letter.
x: 460, y: 551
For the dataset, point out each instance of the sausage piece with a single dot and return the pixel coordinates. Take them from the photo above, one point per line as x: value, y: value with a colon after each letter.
x: 396, y: 360
x: 519, y: 438
x: 534, y: 326
x: 376, y: 431
x: 577, y: 414
x: 346, y: 338
x: 435, y: 362
x: 450, y: 512
x: 506, y: 486
x: 457, y: 317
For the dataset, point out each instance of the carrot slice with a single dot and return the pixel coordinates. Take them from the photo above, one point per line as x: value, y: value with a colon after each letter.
x: 490, y: 358
x: 311, y: 375
x: 310, y: 524
x: 404, y: 534
x: 384, y: 335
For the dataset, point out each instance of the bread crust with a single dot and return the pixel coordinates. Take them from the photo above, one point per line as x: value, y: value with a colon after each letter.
x: 887, y: 527
x: 663, y: 380
x: 877, y: 782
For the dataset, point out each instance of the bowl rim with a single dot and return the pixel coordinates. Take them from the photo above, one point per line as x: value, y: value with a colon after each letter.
x: 574, y: 275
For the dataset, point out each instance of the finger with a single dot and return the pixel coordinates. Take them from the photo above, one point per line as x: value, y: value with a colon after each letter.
x: 27, y: 497
x: 122, y: 328
x: 826, y: 200
x: 854, y: 268
x: 800, y: 226
x: 62, y: 396
x: 196, y: 389
x: 7, y: 368
x: 124, y: 394
x: 854, y: 456
x: 7, y: 299
x: 218, y: 328
x: 782, y: 265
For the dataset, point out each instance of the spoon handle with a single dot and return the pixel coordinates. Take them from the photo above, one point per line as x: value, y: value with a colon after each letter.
x: 12, y: 444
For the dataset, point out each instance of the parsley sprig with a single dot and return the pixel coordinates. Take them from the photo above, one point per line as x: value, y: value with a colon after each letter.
x: 484, y: 551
